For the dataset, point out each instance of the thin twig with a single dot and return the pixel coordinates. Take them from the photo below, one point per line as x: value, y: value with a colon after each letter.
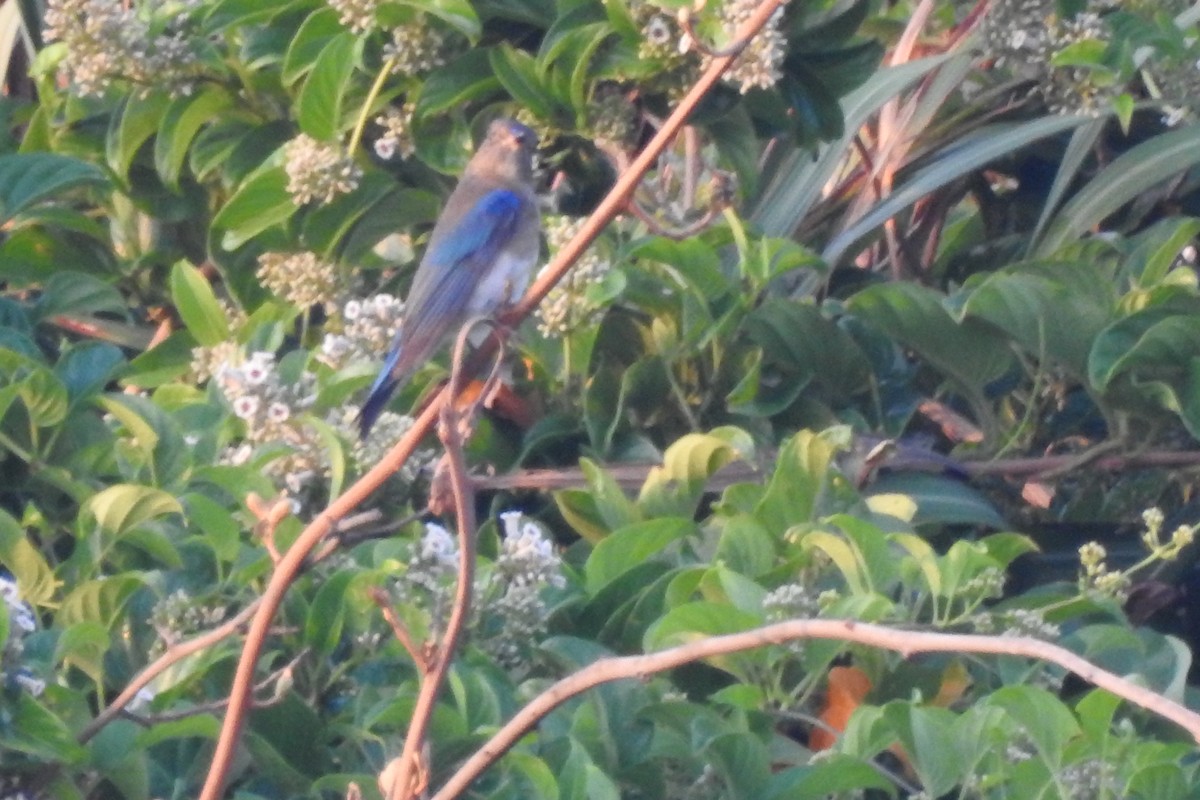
x: 399, y: 630
x: 408, y: 775
x: 289, y: 567
x: 150, y: 720
x: 905, y: 642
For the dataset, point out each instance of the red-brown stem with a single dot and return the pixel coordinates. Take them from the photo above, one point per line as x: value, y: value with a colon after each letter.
x: 905, y: 642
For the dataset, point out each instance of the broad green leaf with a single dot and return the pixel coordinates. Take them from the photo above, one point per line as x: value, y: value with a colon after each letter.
x: 182, y: 121
x: 844, y: 555
x: 626, y: 548
x: 327, y: 614
x: 928, y: 736
x: 940, y: 499
x: 1153, y: 339
x: 99, y: 600
x: 83, y: 645
x: 259, y: 203
x: 35, y: 730
x: 30, y: 178
x: 119, y: 509
x: 969, y: 352
x: 1053, y: 310
x: 745, y: 545
x: 309, y: 41
x: 518, y: 73
x: 459, y: 14
x: 197, y: 305
x: 319, y: 106
x: 136, y: 121
x: 28, y: 566
x: 676, y: 486
x: 697, y: 620
x: 1047, y: 722
x: 73, y: 293
x: 467, y: 77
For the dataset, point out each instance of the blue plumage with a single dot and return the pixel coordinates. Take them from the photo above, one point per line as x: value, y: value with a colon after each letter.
x: 480, y: 257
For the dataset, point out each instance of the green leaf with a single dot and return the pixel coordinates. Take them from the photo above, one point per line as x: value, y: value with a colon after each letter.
x: 929, y: 738
x: 1150, y: 339
x: 26, y: 563
x: 259, y: 203
x: 1047, y: 722
x: 327, y: 614
x: 941, y: 500
x: 319, y: 106
x: 468, y: 77
x: 458, y: 14
x: 182, y: 121
x: 1139, y: 168
x: 518, y: 73
x: 628, y: 547
x: 99, y: 600
x: 197, y: 305
x: 119, y: 509
x: 309, y: 40
x: 675, y: 487
x: 76, y: 294
x: 136, y: 121
x: 963, y: 157
x: 1052, y: 310
x: 697, y: 620
x: 968, y: 352
x: 27, y: 179
x: 34, y: 730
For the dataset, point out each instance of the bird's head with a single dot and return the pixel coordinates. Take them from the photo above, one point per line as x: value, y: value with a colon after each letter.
x: 506, y: 153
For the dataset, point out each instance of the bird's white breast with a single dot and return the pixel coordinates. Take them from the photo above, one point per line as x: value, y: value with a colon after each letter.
x: 503, y: 284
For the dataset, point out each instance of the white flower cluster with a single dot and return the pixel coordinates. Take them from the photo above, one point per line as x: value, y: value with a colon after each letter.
x: 791, y: 601
x: 302, y: 279
x: 388, y: 429
x: 271, y: 410
x: 179, y: 615
x: 397, y: 132
x: 416, y: 49
x: 760, y: 64
x: 527, y: 564
x: 357, y: 15
x: 317, y: 171
x: 567, y: 307
x: 510, y: 614
x: 107, y: 40
x: 21, y: 622
x: 368, y: 328
x: 1024, y: 36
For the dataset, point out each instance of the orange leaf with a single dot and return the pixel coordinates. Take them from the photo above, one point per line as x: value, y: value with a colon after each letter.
x: 848, y: 687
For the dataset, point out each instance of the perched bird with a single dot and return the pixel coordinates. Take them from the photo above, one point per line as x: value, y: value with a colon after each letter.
x: 480, y: 257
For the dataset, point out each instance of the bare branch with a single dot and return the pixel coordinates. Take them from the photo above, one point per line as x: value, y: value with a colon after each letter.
x: 905, y: 642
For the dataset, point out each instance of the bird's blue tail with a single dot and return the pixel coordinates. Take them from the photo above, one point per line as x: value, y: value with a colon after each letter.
x: 380, y: 393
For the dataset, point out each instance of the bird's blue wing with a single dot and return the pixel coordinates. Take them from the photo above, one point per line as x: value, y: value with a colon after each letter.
x: 457, y: 261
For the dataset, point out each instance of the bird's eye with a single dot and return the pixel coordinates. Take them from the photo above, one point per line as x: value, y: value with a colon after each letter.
x: 520, y: 136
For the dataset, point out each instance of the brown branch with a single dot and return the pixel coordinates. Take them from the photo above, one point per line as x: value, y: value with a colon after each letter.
x: 905, y: 642
x: 399, y: 630
x: 632, y: 475
x: 172, y: 656
x: 290, y: 565
x: 408, y: 774
x: 276, y: 697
